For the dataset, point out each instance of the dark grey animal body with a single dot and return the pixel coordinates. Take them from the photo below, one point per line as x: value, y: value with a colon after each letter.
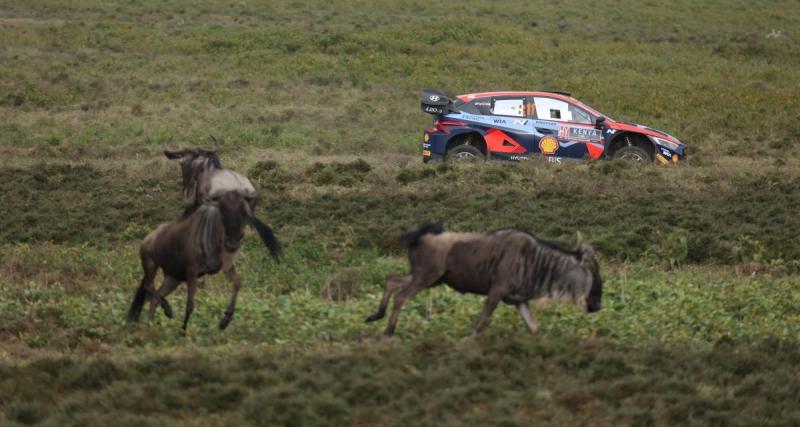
x: 204, y: 242
x: 506, y: 265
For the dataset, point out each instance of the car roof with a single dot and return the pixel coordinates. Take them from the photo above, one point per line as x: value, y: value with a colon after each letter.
x: 564, y: 96
x: 555, y: 94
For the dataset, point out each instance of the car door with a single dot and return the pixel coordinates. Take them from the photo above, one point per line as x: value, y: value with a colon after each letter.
x: 509, y: 136
x: 565, y: 130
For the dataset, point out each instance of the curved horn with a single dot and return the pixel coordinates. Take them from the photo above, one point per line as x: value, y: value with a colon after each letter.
x: 578, y: 240
x: 171, y: 152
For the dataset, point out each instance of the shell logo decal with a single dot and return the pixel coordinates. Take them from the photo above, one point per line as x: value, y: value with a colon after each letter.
x: 548, y: 145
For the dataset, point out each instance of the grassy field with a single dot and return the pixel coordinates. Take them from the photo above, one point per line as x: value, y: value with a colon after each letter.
x: 317, y: 103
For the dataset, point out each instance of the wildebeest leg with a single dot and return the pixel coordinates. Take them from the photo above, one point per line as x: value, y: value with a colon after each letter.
x: 167, y: 286
x: 237, y: 283
x: 419, y: 282
x: 191, y: 288
x: 522, y: 307
x: 150, y: 268
x: 488, y: 308
x: 392, y: 284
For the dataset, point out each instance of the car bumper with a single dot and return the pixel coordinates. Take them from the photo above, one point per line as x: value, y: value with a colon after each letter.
x: 431, y: 157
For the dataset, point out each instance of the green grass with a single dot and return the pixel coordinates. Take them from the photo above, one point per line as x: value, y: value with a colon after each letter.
x: 498, y: 379
x: 288, y: 75
x: 725, y: 211
x: 66, y: 297
x: 317, y: 103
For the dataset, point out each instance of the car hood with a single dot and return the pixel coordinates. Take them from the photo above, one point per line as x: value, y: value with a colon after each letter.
x: 644, y: 130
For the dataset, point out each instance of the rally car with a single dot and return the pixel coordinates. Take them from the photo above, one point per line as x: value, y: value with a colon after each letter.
x: 521, y: 125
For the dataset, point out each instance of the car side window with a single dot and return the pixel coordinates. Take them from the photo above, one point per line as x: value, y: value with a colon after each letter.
x: 484, y: 105
x: 514, y: 107
x: 477, y: 106
x: 579, y: 115
x: 560, y: 111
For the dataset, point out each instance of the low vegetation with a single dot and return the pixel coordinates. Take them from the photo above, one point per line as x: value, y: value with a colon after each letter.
x: 499, y: 379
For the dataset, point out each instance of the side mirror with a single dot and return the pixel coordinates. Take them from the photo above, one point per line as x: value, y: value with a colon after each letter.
x: 599, y: 121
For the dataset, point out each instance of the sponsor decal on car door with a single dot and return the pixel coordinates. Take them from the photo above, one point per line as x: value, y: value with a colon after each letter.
x: 579, y: 140
x: 545, y: 135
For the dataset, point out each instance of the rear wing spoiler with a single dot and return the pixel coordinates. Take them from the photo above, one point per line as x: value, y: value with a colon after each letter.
x: 434, y: 102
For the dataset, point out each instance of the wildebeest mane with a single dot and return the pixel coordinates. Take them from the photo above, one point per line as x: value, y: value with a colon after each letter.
x: 196, y: 168
x: 549, y: 268
x: 192, y: 173
x: 411, y: 239
x: 552, y: 244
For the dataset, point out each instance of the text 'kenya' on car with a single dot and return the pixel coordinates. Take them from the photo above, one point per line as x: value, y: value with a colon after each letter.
x: 519, y: 125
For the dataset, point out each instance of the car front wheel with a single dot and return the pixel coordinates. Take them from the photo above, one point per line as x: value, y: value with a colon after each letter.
x: 632, y: 152
x: 465, y: 153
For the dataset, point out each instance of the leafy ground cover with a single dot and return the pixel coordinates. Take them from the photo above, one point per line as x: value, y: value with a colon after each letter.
x: 498, y: 379
x: 317, y: 102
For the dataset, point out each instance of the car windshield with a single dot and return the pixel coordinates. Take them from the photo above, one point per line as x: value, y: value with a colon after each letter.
x: 590, y: 109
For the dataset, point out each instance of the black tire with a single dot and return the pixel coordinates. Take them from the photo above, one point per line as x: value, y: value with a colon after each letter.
x: 464, y: 153
x: 634, y: 153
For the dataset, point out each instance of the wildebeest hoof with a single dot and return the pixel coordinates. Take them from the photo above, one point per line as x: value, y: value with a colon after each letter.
x: 167, y: 309
x: 374, y: 317
x: 388, y: 338
x: 224, y: 323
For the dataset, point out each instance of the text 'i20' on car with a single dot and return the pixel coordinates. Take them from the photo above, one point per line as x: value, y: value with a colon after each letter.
x: 519, y: 125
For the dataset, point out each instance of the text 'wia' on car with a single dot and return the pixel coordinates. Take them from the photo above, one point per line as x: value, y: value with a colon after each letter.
x: 520, y: 125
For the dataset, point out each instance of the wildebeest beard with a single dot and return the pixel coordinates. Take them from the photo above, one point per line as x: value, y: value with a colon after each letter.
x: 208, y: 234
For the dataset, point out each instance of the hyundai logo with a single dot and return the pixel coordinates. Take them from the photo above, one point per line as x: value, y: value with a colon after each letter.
x: 434, y: 98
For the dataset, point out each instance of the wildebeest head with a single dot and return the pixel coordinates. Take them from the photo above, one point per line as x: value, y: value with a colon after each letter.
x: 586, y: 259
x: 236, y: 214
x: 194, y: 163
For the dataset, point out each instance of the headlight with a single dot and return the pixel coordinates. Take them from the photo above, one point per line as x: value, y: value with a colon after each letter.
x: 663, y: 142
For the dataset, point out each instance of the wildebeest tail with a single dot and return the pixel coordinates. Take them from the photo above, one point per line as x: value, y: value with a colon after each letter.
x: 136, y: 306
x: 411, y: 238
x: 268, y: 237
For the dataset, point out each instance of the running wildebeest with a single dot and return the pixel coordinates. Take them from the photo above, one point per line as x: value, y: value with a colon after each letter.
x: 204, y: 242
x: 505, y: 265
x: 204, y: 178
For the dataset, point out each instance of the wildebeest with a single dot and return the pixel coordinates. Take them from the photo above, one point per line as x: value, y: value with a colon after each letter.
x: 204, y: 242
x: 506, y: 265
x: 204, y: 177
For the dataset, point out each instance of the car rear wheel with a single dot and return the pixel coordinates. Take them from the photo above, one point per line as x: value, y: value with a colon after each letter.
x: 465, y: 153
x: 634, y: 153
